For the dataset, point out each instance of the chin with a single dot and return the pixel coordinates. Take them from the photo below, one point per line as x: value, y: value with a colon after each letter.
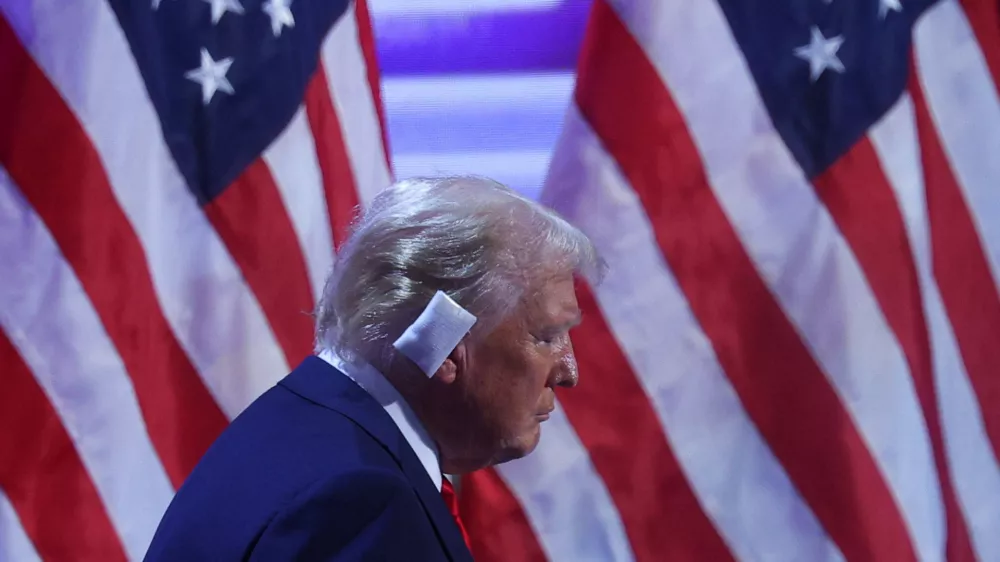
x: 521, y: 446
x: 532, y: 441
x: 526, y: 443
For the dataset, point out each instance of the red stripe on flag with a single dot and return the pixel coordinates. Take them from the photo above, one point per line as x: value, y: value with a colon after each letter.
x: 871, y: 221
x: 487, y: 506
x: 43, y: 475
x: 331, y: 151
x: 609, y: 408
x: 984, y: 18
x: 784, y: 391
x: 963, y: 275
x: 367, y: 39
x: 75, y: 200
x: 250, y: 218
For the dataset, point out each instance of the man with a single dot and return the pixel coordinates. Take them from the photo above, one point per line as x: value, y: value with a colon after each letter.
x: 441, y: 335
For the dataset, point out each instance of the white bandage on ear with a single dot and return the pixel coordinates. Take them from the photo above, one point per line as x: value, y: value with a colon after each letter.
x: 435, y: 333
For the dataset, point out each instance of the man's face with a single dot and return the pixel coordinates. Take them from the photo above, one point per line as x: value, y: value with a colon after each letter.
x: 507, y: 389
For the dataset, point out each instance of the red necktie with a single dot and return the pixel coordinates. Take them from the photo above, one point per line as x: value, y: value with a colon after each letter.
x: 451, y: 500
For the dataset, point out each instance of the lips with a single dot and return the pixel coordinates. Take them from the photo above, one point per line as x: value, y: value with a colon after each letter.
x: 544, y: 415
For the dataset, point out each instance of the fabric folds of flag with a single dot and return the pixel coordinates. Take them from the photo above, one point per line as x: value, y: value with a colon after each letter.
x: 794, y: 356
x: 174, y: 176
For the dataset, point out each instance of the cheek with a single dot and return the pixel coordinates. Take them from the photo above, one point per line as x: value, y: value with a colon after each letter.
x: 518, y: 395
x: 513, y: 388
x: 535, y: 384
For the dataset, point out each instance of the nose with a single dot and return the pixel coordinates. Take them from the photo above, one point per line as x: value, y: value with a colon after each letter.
x: 565, y: 372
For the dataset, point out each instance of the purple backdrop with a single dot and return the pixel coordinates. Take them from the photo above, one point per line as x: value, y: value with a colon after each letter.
x: 477, y: 90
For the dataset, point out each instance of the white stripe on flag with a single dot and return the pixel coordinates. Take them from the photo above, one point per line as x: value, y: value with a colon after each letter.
x: 59, y: 335
x: 565, y: 499
x: 963, y: 103
x: 15, y: 546
x: 84, y: 53
x: 974, y: 469
x: 292, y: 160
x: 346, y: 72
x: 796, y: 247
x: 737, y: 474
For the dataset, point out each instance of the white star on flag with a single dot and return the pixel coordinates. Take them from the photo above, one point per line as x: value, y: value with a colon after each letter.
x: 885, y: 5
x: 821, y: 53
x: 211, y: 75
x: 220, y: 7
x: 281, y: 15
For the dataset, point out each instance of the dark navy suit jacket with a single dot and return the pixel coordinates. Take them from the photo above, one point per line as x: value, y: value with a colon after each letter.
x: 314, y: 469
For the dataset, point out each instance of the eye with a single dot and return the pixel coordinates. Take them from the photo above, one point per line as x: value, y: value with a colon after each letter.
x: 545, y: 340
x: 551, y: 338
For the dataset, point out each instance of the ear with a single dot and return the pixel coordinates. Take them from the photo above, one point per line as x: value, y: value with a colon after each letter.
x: 454, y: 365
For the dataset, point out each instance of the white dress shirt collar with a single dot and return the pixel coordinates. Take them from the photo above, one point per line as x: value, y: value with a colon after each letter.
x: 375, y: 383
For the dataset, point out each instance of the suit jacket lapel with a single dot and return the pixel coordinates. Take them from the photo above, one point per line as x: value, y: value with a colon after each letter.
x: 444, y: 524
x: 320, y: 382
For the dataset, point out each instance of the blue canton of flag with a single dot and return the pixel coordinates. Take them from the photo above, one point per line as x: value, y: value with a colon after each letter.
x: 225, y: 76
x: 827, y: 70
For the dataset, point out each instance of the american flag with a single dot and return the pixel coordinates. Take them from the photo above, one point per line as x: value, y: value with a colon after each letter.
x: 173, y: 177
x: 796, y: 355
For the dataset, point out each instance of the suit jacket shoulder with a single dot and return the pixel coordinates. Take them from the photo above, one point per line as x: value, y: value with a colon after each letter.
x: 369, y: 515
x: 314, y: 468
